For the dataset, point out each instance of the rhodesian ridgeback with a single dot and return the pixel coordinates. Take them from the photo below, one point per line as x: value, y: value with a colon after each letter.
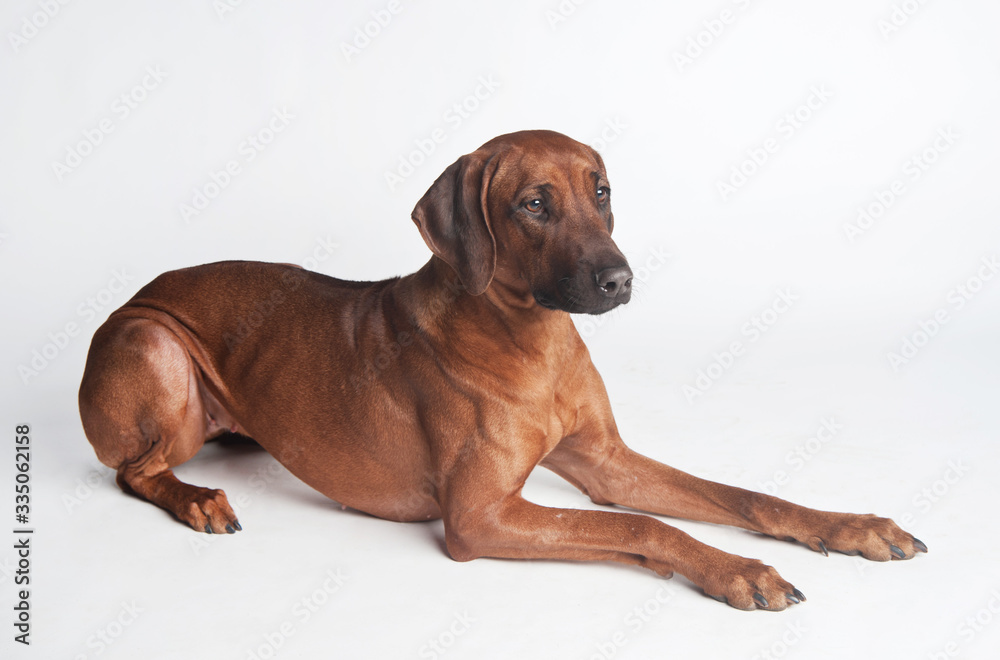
x: 436, y: 394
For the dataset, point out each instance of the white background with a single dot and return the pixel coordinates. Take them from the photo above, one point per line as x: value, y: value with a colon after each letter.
x: 918, y: 438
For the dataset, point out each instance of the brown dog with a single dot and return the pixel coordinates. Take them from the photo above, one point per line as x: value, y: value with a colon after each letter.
x: 435, y: 395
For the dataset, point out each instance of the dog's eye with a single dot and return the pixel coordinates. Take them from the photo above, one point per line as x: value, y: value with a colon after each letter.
x: 602, y: 193
x: 534, y: 205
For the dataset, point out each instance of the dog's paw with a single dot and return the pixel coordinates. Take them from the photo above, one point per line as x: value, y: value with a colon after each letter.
x: 208, y: 510
x: 749, y: 584
x: 874, y: 538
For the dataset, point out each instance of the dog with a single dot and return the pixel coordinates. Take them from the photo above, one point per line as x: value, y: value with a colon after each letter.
x: 436, y: 394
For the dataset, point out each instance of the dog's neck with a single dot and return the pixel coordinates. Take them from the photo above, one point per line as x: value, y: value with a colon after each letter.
x: 439, y: 304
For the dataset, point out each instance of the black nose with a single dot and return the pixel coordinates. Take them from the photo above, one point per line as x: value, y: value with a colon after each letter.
x: 615, y: 282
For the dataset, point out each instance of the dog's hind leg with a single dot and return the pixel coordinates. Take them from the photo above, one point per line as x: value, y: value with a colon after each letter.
x: 143, y: 413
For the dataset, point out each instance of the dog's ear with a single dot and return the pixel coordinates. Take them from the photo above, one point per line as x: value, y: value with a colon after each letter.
x: 454, y: 220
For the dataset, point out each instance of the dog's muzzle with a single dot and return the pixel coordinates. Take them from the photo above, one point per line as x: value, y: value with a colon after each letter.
x: 591, y: 291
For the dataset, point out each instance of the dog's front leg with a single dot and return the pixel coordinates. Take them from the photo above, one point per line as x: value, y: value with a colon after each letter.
x: 484, y: 519
x: 611, y: 473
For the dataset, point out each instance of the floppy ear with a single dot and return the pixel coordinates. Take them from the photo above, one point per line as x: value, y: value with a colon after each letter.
x: 453, y: 219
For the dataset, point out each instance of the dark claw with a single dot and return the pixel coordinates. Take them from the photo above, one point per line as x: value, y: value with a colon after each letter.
x: 897, y: 551
x: 721, y: 599
x: 208, y: 529
x: 822, y: 548
x: 919, y: 545
x: 230, y: 530
x: 237, y: 525
x: 792, y: 597
x: 760, y: 600
x: 798, y: 594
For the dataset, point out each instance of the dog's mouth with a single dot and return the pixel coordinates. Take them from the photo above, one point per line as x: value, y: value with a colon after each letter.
x: 569, y: 300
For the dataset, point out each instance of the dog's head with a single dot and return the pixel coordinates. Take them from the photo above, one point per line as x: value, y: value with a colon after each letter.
x: 530, y: 211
